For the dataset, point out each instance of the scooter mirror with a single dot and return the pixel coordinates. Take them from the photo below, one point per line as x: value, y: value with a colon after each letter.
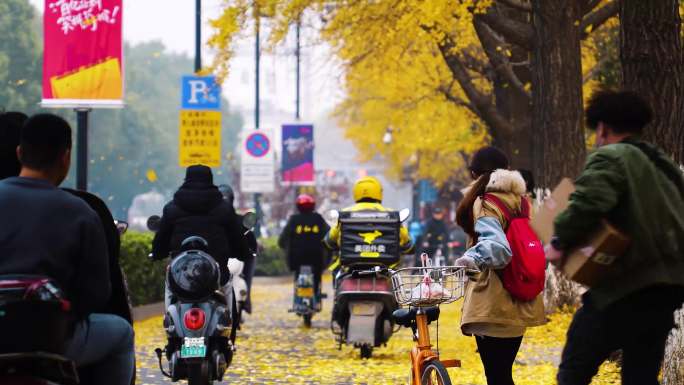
x: 404, y: 214
x: 121, y: 226
x: 334, y: 215
x: 153, y: 223
x: 249, y: 220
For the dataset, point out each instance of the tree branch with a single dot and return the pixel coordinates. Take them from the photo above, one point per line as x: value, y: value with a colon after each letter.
x: 595, y: 70
x: 520, y: 5
x: 598, y: 17
x: 515, y: 32
x: 591, y: 4
x: 456, y: 100
x: 482, y: 104
x: 474, y: 64
x: 493, y: 46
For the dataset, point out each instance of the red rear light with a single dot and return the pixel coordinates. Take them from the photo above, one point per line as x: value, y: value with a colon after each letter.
x: 194, y: 318
x: 365, y: 284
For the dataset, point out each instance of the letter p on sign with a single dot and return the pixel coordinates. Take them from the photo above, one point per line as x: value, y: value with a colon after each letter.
x: 200, y: 93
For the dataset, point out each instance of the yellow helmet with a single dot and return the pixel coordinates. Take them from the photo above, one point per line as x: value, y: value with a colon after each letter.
x: 368, y: 188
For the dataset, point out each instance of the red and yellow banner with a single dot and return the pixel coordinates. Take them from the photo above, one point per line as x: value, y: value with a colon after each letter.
x: 83, y: 59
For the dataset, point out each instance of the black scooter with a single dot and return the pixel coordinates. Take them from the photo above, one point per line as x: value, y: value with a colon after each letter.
x: 200, y: 321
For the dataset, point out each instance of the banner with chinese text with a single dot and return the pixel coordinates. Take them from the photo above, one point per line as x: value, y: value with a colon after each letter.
x: 83, y: 56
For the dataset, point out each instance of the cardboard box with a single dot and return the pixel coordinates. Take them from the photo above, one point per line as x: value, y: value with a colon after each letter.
x: 542, y: 221
x: 589, y: 263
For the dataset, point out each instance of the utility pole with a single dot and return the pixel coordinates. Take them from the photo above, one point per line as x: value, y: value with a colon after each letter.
x: 298, y: 55
x: 198, y: 35
x: 257, y: 58
x: 297, y: 190
x: 82, y: 148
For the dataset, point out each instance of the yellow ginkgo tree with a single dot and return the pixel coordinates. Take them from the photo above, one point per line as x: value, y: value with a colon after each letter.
x: 445, y: 77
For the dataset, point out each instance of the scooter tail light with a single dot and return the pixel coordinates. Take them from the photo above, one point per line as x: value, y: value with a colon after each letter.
x: 194, y: 319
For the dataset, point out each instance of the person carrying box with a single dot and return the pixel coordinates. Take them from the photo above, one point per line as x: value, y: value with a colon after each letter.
x: 639, y: 190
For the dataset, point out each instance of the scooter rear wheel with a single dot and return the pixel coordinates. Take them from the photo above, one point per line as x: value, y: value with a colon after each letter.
x: 307, y: 320
x: 366, y: 351
x: 198, y: 374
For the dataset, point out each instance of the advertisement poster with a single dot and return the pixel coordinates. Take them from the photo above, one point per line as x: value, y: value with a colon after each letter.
x: 298, y: 154
x: 83, y: 58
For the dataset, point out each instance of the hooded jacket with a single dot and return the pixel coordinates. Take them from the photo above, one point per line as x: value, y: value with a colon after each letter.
x: 639, y: 190
x: 488, y: 308
x: 198, y: 209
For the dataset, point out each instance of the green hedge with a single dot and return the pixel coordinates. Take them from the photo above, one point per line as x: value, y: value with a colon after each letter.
x: 145, y: 278
x: 271, y: 259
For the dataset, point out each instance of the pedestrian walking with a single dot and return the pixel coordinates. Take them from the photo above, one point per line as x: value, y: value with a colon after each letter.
x: 490, y: 313
x: 640, y: 191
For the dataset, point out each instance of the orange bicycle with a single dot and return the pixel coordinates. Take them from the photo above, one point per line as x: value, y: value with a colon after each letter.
x: 422, y: 290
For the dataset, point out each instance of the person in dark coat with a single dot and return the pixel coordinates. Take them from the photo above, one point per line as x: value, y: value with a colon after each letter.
x: 10, y: 134
x: 302, y: 239
x: 436, y: 235
x: 252, y: 245
x: 68, y: 245
x: 198, y: 209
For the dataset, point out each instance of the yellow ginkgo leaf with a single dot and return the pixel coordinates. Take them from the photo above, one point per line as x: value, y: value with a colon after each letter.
x: 151, y: 175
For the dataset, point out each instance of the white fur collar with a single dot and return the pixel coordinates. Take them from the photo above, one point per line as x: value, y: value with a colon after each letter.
x: 506, y: 181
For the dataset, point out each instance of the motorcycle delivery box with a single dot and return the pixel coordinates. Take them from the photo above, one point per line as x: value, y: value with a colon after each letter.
x: 588, y: 263
x: 369, y: 237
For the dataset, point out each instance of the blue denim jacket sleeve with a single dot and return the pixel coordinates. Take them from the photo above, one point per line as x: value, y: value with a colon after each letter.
x: 492, y: 249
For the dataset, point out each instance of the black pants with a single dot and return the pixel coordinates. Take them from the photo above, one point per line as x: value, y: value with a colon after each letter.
x: 498, y: 355
x: 638, y: 324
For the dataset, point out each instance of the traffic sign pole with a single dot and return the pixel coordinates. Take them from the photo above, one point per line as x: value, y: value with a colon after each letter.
x: 257, y: 58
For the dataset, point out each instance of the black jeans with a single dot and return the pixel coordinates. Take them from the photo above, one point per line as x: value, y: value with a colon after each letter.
x: 498, y: 355
x: 638, y: 324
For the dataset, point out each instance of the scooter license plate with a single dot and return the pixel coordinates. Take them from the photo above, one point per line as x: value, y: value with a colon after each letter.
x: 305, y: 292
x: 363, y: 309
x: 193, y: 348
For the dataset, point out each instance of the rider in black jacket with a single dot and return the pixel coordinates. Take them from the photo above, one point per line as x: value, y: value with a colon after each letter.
x: 436, y: 235
x: 302, y: 238
x: 198, y: 209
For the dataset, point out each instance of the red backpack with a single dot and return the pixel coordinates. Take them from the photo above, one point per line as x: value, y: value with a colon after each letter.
x: 524, y: 276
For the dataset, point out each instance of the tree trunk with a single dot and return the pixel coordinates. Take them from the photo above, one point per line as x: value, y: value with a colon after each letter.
x: 653, y: 66
x: 515, y: 107
x: 557, y: 128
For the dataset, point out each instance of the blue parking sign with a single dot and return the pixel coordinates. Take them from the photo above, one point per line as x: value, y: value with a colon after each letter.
x: 200, y: 93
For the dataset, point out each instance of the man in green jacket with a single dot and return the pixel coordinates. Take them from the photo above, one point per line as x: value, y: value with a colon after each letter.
x: 639, y: 190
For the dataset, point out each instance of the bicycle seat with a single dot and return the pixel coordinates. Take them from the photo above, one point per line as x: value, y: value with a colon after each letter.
x: 405, y: 317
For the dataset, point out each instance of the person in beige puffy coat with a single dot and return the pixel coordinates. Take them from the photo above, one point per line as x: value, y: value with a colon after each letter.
x: 497, y: 320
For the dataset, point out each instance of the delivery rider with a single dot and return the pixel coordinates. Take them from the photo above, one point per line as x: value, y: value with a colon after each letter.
x: 368, y: 197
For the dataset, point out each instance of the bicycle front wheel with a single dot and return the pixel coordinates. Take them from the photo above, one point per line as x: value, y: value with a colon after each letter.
x: 434, y: 373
